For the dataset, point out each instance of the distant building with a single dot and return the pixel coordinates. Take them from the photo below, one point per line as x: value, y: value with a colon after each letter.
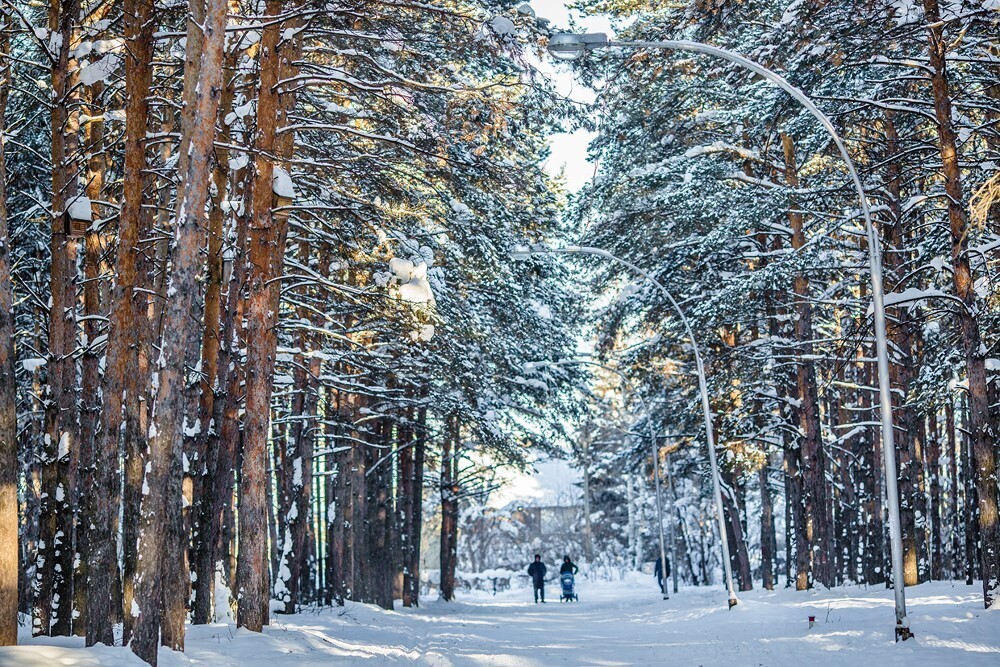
x: 548, y: 521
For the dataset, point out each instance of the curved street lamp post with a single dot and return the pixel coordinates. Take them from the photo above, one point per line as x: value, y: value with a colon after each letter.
x: 523, y: 252
x: 568, y: 46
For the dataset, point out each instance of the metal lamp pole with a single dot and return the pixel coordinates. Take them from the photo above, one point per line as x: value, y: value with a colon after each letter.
x: 662, y: 579
x: 532, y: 365
x: 673, y: 535
x: 567, y: 46
x: 527, y: 251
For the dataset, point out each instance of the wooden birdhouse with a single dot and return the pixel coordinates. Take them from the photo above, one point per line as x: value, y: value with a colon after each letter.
x: 284, y: 191
x: 78, y: 217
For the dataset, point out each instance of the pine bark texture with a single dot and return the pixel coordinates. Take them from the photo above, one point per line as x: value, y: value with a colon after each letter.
x: 900, y: 371
x: 166, y: 436
x: 768, y: 539
x: 9, y: 522
x: 813, y: 543
x: 449, y: 507
x: 123, y: 323
x: 982, y: 431
x: 268, y: 234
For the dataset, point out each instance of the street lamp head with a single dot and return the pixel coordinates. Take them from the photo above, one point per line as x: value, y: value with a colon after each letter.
x: 571, y: 46
x: 566, y: 46
x: 532, y: 366
x: 521, y: 253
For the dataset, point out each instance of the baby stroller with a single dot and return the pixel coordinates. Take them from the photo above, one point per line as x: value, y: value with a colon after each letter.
x: 568, y: 595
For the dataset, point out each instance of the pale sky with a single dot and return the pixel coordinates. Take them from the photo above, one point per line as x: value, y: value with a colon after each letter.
x: 553, y: 481
x: 569, y: 150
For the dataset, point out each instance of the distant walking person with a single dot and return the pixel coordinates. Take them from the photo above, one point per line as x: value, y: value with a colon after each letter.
x: 537, y: 573
x: 661, y: 574
x: 568, y: 566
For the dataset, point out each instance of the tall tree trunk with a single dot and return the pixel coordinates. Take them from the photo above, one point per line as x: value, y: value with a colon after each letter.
x: 224, y: 441
x: 849, y: 501
x: 298, y: 475
x: 266, y: 253
x: 814, y: 506
x: 359, y: 501
x: 920, y: 495
x: 632, y: 531
x: 449, y: 507
x: 416, y: 521
x: 211, y: 385
x: 333, y: 547
x: 783, y: 383
x: 342, y: 558
x: 840, y: 514
x: 103, y: 560
x: 405, y: 444
x: 588, y: 527
x: 768, y: 539
x: 90, y: 394
x: 177, y: 580
x: 934, y: 474
x: 981, y: 429
x: 337, y: 563
x: 137, y: 406
x: 956, y: 516
x: 56, y: 540
x: 30, y: 460
x: 971, y: 505
x: 379, y: 478
x: 686, y: 549
x: 795, y: 538
x: 873, y: 548
x: 9, y: 545
x: 303, y: 570
x: 219, y: 357
x: 178, y: 329
x: 901, y: 371
x: 150, y: 294
x: 299, y: 483
x: 733, y: 509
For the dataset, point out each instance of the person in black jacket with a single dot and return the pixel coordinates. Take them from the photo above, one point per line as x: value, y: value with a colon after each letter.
x: 661, y: 574
x: 568, y: 566
x: 537, y: 573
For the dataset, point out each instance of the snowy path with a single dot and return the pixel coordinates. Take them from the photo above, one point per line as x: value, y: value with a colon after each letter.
x: 623, y: 624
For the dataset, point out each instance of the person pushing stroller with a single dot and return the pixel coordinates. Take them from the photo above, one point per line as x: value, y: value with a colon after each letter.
x: 567, y: 572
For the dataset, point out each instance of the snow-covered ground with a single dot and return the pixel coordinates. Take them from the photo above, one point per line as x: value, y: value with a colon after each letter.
x: 613, y: 624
